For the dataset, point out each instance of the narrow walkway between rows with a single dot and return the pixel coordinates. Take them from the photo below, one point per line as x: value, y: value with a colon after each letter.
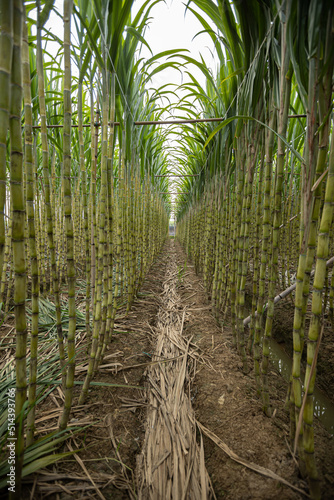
x: 171, y: 464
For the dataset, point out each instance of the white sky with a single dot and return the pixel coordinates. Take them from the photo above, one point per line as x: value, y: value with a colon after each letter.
x: 171, y: 27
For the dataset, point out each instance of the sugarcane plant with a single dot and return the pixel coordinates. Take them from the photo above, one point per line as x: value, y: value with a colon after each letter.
x: 81, y: 210
x: 268, y: 160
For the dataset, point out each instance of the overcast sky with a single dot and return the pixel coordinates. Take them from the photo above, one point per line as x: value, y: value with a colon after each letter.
x: 172, y: 27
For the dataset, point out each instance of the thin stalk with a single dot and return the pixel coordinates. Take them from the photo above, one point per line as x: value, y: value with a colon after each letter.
x: 68, y: 216
x: 29, y: 168
x: 6, y: 51
x: 19, y: 259
x: 46, y: 179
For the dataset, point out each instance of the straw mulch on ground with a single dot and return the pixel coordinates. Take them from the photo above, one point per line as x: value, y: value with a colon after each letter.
x: 171, y: 464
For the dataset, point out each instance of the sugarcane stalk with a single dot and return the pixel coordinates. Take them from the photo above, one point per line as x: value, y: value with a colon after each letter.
x: 84, y: 205
x: 71, y: 275
x: 19, y: 259
x: 29, y: 168
x: 48, y: 210
x: 285, y: 90
x: 315, y: 324
x: 6, y: 51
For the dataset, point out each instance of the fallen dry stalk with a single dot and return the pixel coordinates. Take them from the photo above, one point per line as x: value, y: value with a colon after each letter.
x: 286, y: 292
x: 250, y: 465
x: 82, y: 465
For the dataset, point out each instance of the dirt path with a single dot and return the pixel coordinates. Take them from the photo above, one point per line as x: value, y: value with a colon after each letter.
x: 223, y: 398
x: 171, y: 465
x: 225, y: 402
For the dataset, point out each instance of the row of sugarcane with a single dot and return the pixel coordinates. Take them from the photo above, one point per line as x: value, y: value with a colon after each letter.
x: 261, y: 206
x: 74, y: 201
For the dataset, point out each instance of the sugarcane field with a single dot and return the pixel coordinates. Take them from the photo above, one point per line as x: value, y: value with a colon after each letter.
x: 166, y: 249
